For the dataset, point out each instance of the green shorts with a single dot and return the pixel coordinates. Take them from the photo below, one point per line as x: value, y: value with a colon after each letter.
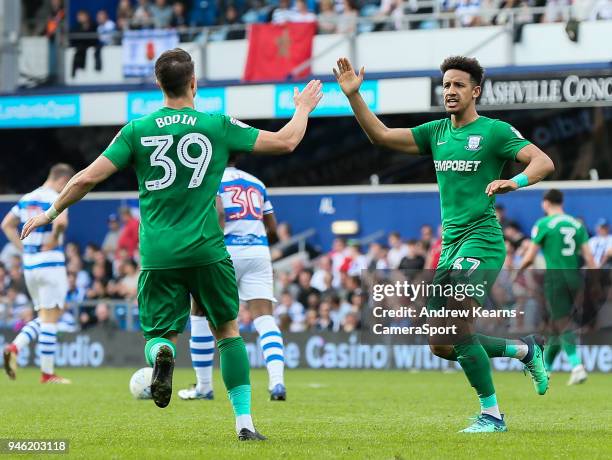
x: 561, y: 287
x: 163, y: 296
x: 474, y: 262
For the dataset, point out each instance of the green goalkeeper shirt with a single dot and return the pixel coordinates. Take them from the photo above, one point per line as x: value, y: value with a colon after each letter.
x: 466, y: 160
x: 179, y: 156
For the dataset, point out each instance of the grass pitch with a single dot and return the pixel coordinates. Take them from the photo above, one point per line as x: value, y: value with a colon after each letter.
x: 329, y: 414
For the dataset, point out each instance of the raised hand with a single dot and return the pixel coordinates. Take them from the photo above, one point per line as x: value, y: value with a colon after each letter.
x: 310, y: 95
x: 498, y: 187
x: 33, y: 223
x: 347, y: 79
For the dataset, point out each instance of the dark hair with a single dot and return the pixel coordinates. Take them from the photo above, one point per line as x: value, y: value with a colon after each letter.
x: 61, y: 170
x: 173, y: 70
x: 554, y: 196
x: 465, y: 64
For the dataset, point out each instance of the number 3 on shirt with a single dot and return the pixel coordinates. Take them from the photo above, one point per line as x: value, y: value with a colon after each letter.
x: 158, y: 158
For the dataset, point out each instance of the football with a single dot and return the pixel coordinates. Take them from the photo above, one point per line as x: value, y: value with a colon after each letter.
x: 140, y: 383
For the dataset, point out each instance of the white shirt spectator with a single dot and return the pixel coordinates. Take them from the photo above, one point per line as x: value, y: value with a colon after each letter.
x: 467, y: 11
x: 600, y: 245
x: 308, y: 16
x: 106, y: 32
x: 602, y: 10
x: 395, y: 256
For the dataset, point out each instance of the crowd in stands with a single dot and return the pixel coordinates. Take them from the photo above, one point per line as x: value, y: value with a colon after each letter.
x: 319, y: 292
x: 332, y: 16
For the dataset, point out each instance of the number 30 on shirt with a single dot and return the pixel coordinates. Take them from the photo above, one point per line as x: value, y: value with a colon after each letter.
x: 158, y: 158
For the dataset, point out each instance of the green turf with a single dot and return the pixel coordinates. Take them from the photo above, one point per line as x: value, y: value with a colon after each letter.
x: 329, y: 414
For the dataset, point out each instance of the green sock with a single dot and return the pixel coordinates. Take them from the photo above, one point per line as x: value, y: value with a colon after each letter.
x: 568, y: 342
x: 494, y: 346
x: 152, y: 347
x: 235, y: 372
x: 552, y: 349
x: 475, y: 364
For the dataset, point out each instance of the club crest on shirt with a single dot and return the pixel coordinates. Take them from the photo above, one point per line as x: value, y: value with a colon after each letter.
x: 473, y: 143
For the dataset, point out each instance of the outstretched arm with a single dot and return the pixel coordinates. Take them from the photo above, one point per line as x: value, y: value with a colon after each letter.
x: 394, y: 138
x: 539, y: 165
x: 80, y: 184
x: 289, y: 136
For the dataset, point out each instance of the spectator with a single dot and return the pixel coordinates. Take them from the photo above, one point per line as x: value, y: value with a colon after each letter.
x: 232, y: 19
x: 601, y: 11
x: 125, y: 13
x: 4, y: 279
x: 355, y: 261
x: 337, y: 255
x: 103, y: 319
x: 324, y: 321
x: 245, y: 320
x: 9, y: 251
x: 72, y: 251
x: 142, y: 17
x: 427, y: 236
x: 161, y: 13
x: 350, y: 323
x: 97, y: 290
x: 347, y: 21
x: 601, y: 243
x: 67, y: 322
x: 513, y: 233
x: 468, y: 13
x: 302, y: 13
x: 75, y: 293
x: 282, y: 13
x: 288, y: 306
x: 82, y: 277
x: 324, y: 267
x: 178, y: 21
x: 16, y: 279
x: 397, y: 250
x: 82, y: 43
x: 305, y: 288
x: 106, y: 28
x: 338, y: 311
x: 111, y: 240
x: 203, y: 13
x: 435, y: 250
x: 414, y: 258
x: 376, y: 257
x: 128, y: 235
x: 55, y: 19
x: 390, y: 9
x: 555, y: 10
x: 127, y: 287
x: 312, y: 320
x: 327, y: 17
x: 86, y: 320
x: 258, y: 11
x: 89, y: 256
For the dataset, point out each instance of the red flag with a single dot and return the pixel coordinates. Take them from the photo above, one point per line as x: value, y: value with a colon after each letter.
x: 276, y: 49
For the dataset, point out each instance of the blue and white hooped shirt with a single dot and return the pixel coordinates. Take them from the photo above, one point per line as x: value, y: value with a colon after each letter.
x: 245, y: 201
x: 29, y: 206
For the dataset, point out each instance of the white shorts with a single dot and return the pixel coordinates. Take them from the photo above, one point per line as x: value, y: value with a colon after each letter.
x: 47, y: 286
x: 254, y: 278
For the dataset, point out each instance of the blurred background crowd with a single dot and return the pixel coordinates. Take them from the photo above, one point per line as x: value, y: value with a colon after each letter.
x: 317, y: 289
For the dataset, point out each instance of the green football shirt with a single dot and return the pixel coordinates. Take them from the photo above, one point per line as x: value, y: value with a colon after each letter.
x: 179, y: 157
x: 561, y: 237
x: 466, y: 160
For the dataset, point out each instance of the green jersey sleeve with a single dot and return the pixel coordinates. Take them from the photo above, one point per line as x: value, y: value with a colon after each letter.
x: 120, y: 150
x: 509, y: 140
x: 423, y: 135
x: 238, y: 135
x: 538, y: 232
